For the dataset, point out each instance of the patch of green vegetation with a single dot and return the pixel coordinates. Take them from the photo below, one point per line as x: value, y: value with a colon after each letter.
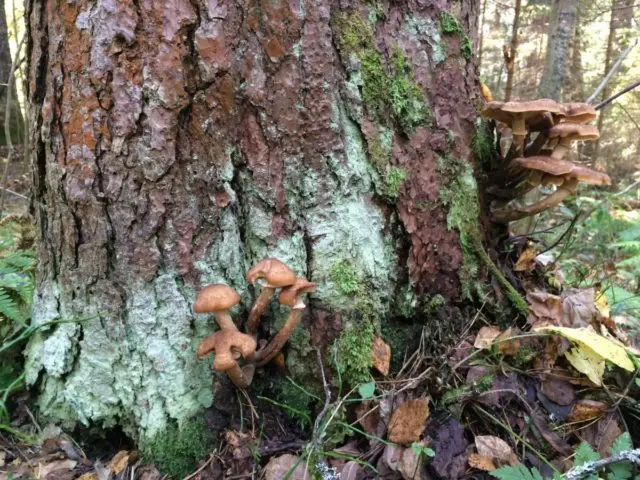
x: 345, y: 277
x: 402, y: 337
x: 450, y: 25
x: 394, y: 178
x: 431, y: 303
x: 482, y: 145
x: 384, y: 89
x: 177, y: 450
x: 351, y: 352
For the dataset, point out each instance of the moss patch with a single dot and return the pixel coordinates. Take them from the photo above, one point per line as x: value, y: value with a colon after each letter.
x: 395, y: 177
x: 345, y: 277
x: 450, y: 25
x: 387, y: 90
x: 351, y: 352
x: 482, y: 144
x: 177, y: 450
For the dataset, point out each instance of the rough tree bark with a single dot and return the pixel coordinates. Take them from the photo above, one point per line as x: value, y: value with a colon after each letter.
x: 561, y: 27
x: 16, y: 125
x: 177, y: 142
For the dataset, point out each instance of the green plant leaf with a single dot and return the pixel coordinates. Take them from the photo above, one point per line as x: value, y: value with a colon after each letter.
x: 366, y: 390
x: 621, y: 470
x: 516, y: 472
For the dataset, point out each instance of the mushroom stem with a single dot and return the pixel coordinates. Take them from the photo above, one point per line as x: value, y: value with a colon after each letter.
x: 534, y: 147
x: 264, y: 356
x: 566, y: 189
x: 239, y: 377
x: 258, y: 308
x: 224, y: 320
x: 563, y: 147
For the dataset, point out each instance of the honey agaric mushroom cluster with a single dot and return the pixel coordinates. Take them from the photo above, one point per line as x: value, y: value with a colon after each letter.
x: 543, y: 132
x: 229, y: 344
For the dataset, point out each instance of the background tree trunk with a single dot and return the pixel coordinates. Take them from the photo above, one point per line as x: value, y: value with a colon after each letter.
x: 511, y: 53
x: 16, y: 120
x: 561, y: 27
x: 177, y: 142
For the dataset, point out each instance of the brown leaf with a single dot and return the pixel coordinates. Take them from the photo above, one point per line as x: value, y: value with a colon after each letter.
x: 279, y: 467
x: 579, y: 307
x: 527, y: 261
x: 369, y: 418
x: 350, y: 471
x: 558, y: 391
x: 509, y: 347
x: 481, y: 463
x: 381, y: 355
x: 88, y: 476
x: 585, y: 410
x: 496, y: 449
x: 46, y: 469
x: 485, y: 337
x: 410, y: 464
x: 119, y: 462
x: 601, y: 434
x: 544, y: 309
x: 407, y: 422
x: 552, y: 438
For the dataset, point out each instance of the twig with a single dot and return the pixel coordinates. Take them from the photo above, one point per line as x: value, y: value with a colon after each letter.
x: 204, y: 465
x: 7, y: 119
x: 606, y: 102
x: 14, y: 193
x: 590, y: 468
x: 633, y: 120
x: 613, y: 70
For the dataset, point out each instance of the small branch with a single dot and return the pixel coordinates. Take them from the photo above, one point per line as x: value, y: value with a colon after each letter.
x: 606, y: 102
x: 590, y: 468
x: 613, y: 70
x: 19, y: 195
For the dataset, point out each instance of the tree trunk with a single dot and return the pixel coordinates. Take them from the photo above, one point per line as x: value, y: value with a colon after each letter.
x: 176, y: 143
x: 561, y: 24
x: 511, y: 52
x: 16, y: 123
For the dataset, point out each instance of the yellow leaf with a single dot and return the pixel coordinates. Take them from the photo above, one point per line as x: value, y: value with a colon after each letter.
x: 586, y: 337
x: 586, y: 361
x: 602, y: 305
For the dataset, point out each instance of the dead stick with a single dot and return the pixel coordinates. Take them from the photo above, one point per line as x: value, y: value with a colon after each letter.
x: 606, y: 102
x: 613, y: 70
x: 590, y: 468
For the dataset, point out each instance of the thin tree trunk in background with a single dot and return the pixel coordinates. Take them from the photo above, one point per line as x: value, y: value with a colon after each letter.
x: 574, y: 73
x: 16, y: 119
x: 561, y: 24
x: 512, y: 52
x: 481, y: 34
x: 176, y: 143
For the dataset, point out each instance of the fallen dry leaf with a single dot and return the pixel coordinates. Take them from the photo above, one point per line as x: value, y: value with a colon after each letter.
x: 369, y: 418
x: 88, y: 476
x: 381, y: 354
x: 527, y: 261
x: 585, y: 410
x: 496, y: 449
x: 410, y: 464
x: 507, y: 345
x: 544, y: 308
x: 46, y: 469
x: 558, y: 391
x: 408, y: 421
x: 485, y: 337
x: 350, y: 471
x: 119, y: 462
x: 601, y: 434
x: 481, y: 463
x: 279, y: 467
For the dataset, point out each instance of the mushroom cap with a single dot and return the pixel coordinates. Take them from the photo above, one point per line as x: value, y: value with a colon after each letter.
x: 276, y: 273
x: 506, y: 111
x: 223, y: 343
x: 564, y: 168
x: 292, y: 295
x: 578, y: 112
x: 575, y: 131
x: 215, y: 297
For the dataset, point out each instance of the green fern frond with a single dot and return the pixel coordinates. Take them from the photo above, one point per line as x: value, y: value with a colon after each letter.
x: 10, y: 308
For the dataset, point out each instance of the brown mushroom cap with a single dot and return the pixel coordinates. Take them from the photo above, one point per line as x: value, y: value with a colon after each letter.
x: 506, y: 111
x: 564, y: 168
x: 215, y: 297
x: 222, y: 342
x: 578, y: 112
x: 276, y: 273
x: 292, y: 295
x: 574, y: 131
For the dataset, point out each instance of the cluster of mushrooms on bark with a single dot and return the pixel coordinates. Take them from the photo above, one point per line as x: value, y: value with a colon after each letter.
x: 542, y: 133
x: 230, y: 344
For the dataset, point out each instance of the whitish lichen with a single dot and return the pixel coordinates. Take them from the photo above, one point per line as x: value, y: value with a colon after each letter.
x: 426, y: 30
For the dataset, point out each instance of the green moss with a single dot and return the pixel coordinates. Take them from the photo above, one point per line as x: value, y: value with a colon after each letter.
x: 351, y: 352
x: 482, y: 144
x: 386, y: 89
x: 432, y: 303
x: 450, y: 25
x: 177, y: 450
x: 395, y: 176
x: 345, y: 277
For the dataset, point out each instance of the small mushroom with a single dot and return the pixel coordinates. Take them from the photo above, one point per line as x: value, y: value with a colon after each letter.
x: 228, y: 345
x: 291, y: 296
x: 578, y: 113
x: 218, y: 299
x: 277, y: 275
x: 568, y: 132
x: 547, y: 170
x: 516, y: 114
